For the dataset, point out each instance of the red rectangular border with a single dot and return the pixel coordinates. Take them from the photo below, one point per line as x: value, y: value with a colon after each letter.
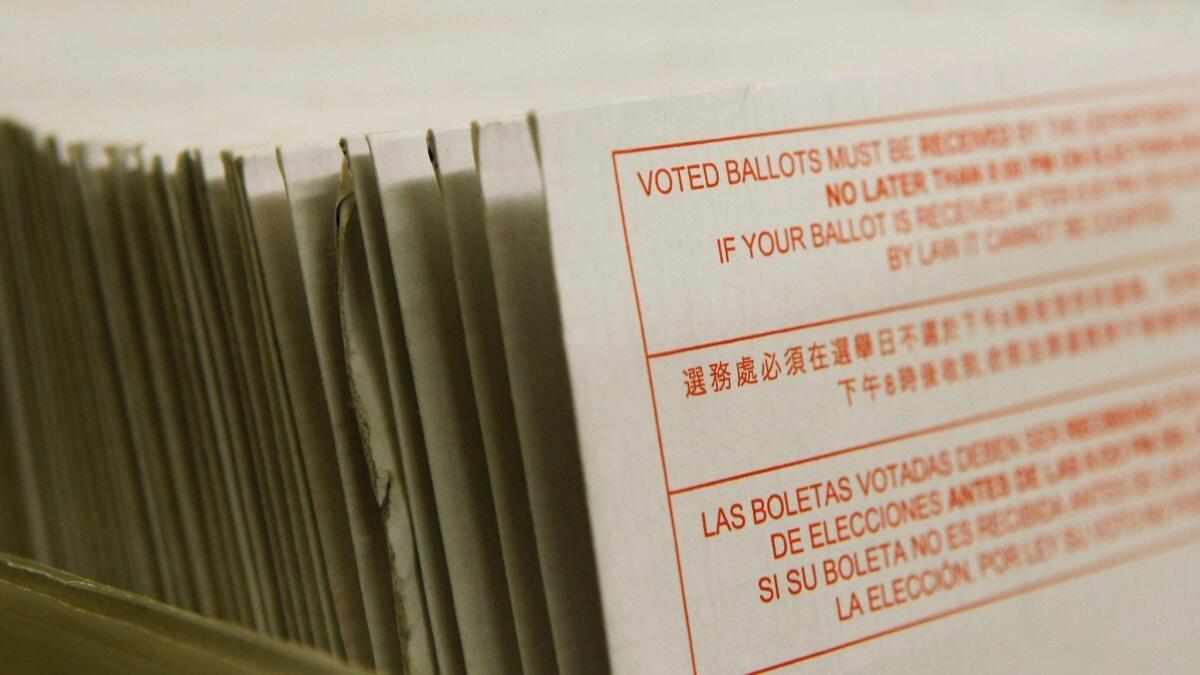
x: 1184, y: 368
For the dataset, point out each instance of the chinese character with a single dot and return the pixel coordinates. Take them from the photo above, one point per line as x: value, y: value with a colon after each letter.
x: 746, y: 374
x: 949, y: 330
x: 848, y: 385
x: 1035, y: 350
x: 995, y: 359
x: 1053, y: 345
x: 1023, y: 312
x: 1014, y: 353
x: 719, y: 373
x: 816, y: 356
x: 929, y: 333
x: 770, y: 367
x: 887, y: 342
x: 929, y: 375
x: 841, y: 351
x: 863, y: 347
x: 970, y: 364
x: 870, y: 385
x: 969, y: 319
x: 795, y: 360
x: 694, y: 379
x: 1042, y: 309
x: 950, y: 370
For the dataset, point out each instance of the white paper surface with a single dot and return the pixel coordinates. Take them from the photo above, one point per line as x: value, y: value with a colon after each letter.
x: 458, y: 181
x: 424, y: 276
x: 363, y: 310
x: 519, y: 246
x: 1030, y: 226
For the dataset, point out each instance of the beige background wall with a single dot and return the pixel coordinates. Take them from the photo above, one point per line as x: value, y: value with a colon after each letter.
x: 225, y: 73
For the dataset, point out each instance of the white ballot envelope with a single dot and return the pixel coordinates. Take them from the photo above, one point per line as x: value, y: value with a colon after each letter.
x: 890, y: 374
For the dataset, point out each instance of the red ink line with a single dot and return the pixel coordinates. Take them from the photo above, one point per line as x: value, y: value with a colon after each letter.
x: 662, y: 457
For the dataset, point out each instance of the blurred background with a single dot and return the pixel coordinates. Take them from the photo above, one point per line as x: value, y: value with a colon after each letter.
x: 223, y: 73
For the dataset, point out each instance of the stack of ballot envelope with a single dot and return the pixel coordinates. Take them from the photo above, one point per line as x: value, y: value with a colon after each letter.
x: 889, y: 373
